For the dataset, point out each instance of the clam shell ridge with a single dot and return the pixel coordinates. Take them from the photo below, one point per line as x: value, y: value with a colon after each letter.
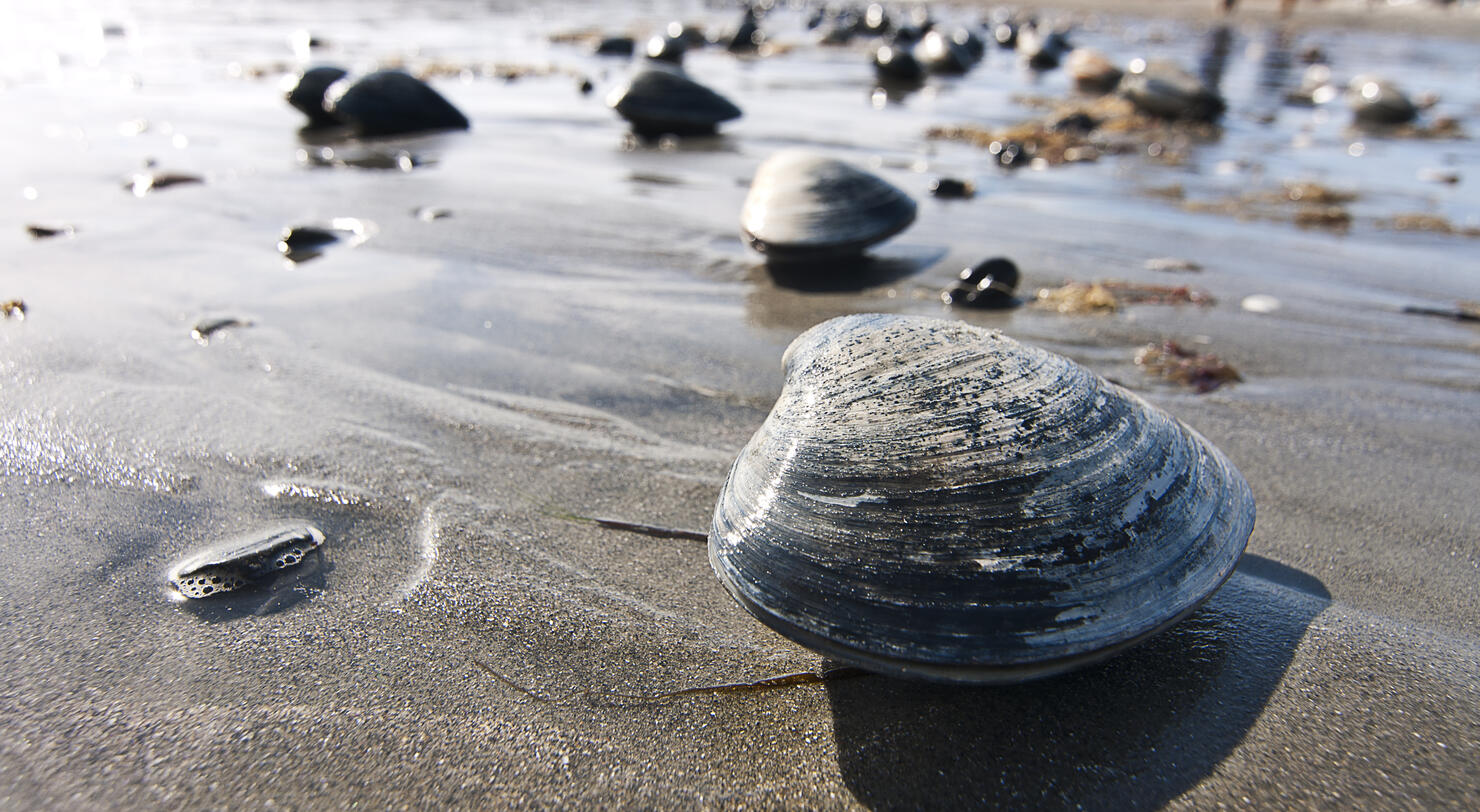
x: 805, y: 204
x: 934, y: 500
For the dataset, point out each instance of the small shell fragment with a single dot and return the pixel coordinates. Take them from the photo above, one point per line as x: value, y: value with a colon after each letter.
x: 243, y: 563
x: 1260, y: 303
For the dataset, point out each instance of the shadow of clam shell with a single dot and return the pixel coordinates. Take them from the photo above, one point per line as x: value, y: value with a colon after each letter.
x: 1133, y: 732
x: 801, y: 293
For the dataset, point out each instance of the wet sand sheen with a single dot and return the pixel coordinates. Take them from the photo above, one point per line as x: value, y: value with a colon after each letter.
x: 440, y: 399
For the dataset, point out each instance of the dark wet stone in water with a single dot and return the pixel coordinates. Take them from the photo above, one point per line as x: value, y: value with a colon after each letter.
x: 392, y: 102
x: 747, y: 36
x: 40, y: 232
x: 664, y: 48
x: 1166, y: 91
x: 616, y: 46
x: 205, y: 328
x: 243, y: 563
x: 895, y: 64
x: 305, y: 242
x: 952, y: 188
x: 1075, y: 123
x: 1010, y: 154
x: 988, y: 284
x: 145, y: 182
x: 941, y: 54
x: 307, y: 94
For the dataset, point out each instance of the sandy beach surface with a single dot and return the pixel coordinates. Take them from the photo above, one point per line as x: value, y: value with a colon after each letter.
x: 577, y: 331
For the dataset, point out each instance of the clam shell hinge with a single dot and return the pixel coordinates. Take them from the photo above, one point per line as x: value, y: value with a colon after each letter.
x: 934, y: 500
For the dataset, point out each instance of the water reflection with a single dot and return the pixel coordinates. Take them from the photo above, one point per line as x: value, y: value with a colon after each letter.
x: 1214, y: 59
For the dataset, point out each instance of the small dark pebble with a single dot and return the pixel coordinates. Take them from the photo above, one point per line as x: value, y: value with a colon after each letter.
x: 1009, y: 154
x: 896, y: 64
x: 1465, y: 312
x: 205, y: 328
x: 1075, y: 123
x: 42, y: 232
x: 988, y: 284
x: 585, y: 86
x: 663, y: 48
x: 145, y: 182
x: 952, y: 188
x: 13, y: 308
x: 301, y: 243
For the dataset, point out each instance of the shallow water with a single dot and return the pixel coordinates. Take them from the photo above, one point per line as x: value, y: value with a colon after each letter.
x: 584, y: 333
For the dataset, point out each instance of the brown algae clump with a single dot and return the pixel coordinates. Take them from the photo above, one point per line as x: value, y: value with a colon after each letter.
x: 1431, y: 223
x: 1204, y: 372
x: 1077, y: 298
x: 1075, y: 131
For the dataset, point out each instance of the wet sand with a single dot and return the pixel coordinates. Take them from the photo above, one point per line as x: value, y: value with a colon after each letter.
x: 585, y: 335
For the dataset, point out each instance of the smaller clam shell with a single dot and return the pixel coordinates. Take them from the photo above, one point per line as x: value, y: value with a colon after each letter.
x: 1164, y: 90
x: 658, y: 101
x: 804, y: 204
x: 243, y: 562
x: 615, y: 46
x: 392, y: 102
x: 1375, y: 101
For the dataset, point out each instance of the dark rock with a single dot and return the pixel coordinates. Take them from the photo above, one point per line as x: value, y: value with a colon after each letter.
x: 988, y: 284
x: 615, y: 46
x: 952, y: 188
x: 895, y: 64
x: 665, y: 48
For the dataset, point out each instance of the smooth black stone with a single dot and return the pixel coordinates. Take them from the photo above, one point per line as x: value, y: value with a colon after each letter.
x: 307, y: 95
x: 616, y: 46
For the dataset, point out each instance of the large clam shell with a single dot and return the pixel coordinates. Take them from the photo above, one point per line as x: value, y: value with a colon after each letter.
x: 935, y: 500
x: 659, y: 101
x: 804, y: 204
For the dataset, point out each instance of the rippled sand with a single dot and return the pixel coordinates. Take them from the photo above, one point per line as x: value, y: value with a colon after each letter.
x: 582, y: 334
